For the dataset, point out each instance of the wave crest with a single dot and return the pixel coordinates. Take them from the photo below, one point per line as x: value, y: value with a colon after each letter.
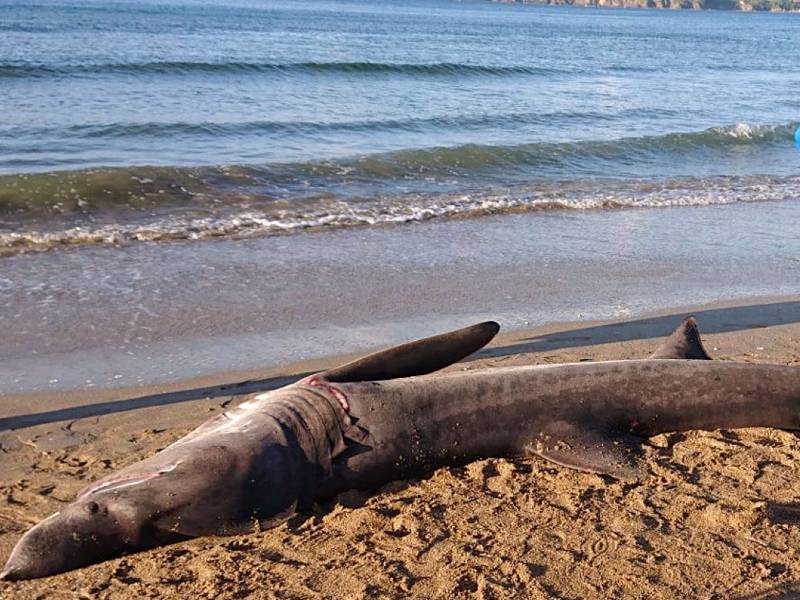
x: 9, y: 70
x: 325, y: 213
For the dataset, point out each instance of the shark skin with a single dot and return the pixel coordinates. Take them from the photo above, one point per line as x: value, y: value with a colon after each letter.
x: 384, y: 417
x: 591, y: 417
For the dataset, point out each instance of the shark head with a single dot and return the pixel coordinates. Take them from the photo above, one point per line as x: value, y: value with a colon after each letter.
x: 119, y: 514
x: 253, y: 464
x: 135, y: 510
x: 84, y: 532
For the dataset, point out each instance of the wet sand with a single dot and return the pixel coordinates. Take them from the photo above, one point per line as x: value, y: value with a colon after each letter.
x: 718, y: 517
x: 145, y: 314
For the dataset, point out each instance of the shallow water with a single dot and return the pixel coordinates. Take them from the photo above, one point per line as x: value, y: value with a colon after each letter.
x: 125, y: 122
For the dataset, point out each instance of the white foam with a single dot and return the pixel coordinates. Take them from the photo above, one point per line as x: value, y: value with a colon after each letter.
x: 417, y: 208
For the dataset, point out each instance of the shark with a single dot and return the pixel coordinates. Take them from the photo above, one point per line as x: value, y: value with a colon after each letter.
x: 390, y: 416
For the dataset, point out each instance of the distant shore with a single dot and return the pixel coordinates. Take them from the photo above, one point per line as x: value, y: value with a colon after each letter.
x: 740, y: 5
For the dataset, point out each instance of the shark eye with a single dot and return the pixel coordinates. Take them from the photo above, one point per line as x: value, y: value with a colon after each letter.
x: 92, y: 507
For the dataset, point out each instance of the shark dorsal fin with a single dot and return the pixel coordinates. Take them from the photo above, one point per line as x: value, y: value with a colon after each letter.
x: 416, y: 358
x: 683, y: 343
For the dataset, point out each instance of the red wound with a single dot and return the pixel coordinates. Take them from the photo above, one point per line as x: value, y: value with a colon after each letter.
x: 328, y: 387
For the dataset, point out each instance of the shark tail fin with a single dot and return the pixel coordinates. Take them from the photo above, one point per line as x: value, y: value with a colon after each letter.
x: 416, y: 358
x: 683, y: 343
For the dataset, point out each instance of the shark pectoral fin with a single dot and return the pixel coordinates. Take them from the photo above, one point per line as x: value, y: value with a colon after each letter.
x: 355, y: 440
x: 590, y: 450
x: 355, y: 434
x: 683, y: 343
x: 416, y: 358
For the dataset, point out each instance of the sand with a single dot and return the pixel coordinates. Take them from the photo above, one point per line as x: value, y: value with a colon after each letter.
x: 718, y: 516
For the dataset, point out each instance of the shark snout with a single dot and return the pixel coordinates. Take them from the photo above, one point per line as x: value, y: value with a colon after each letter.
x: 27, y: 559
x: 7, y: 574
x: 42, y: 551
x: 31, y: 559
x: 11, y: 573
x: 83, y: 533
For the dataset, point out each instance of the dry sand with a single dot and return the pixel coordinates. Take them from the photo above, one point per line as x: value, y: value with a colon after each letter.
x: 718, y: 517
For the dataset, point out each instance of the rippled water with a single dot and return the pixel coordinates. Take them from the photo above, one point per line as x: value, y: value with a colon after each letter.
x: 126, y: 121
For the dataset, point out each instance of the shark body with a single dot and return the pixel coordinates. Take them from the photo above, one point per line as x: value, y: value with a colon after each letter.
x: 386, y: 417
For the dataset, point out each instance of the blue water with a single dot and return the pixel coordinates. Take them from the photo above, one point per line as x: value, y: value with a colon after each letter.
x: 152, y: 121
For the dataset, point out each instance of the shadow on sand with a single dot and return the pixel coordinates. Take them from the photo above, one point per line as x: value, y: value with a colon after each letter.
x: 784, y: 514
x: 105, y: 408
x: 783, y: 591
x: 716, y: 320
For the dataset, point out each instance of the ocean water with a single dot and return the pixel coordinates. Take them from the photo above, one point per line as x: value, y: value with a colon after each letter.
x: 123, y: 122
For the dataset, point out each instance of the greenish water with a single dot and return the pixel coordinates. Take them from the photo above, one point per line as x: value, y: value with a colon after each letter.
x: 126, y: 121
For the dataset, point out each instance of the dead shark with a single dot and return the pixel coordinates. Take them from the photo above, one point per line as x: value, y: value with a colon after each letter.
x: 384, y: 417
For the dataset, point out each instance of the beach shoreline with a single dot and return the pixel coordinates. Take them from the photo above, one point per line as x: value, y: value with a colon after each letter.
x: 724, y: 499
x: 533, y: 342
x: 85, y: 319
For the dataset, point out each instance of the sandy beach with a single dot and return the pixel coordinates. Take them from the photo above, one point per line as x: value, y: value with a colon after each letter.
x: 718, y: 516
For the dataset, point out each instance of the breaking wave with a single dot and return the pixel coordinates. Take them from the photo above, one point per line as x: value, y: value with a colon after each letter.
x: 244, y: 217
x: 128, y: 204
x: 187, y: 67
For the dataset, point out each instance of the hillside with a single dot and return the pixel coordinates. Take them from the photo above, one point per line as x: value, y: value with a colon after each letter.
x: 743, y: 5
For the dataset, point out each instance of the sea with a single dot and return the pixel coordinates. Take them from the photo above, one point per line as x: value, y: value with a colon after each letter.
x: 149, y: 120
x: 205, y: 185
